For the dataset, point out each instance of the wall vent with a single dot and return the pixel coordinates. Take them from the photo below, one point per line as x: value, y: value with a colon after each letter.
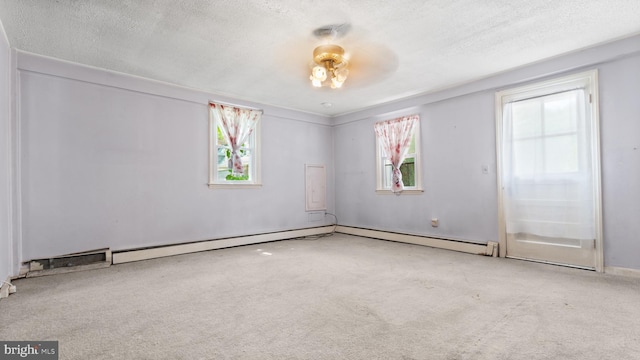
x: 88, y: 260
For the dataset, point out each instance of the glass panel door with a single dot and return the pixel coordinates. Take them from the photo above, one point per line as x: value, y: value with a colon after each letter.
x: 549, y: 175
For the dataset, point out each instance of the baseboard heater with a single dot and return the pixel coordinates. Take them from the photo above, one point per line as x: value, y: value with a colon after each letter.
x: 488, y: 249
x: 87, y: 260
x: 124, y: 256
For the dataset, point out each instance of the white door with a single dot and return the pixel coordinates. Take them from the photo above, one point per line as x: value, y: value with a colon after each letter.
x: 549, y: 172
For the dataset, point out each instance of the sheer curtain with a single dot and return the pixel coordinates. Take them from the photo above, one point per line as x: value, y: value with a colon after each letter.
x: 547, y: 166
x: 394, y: 137
x: 236, y: 124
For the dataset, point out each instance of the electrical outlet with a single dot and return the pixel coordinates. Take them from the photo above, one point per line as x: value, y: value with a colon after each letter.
x: 434, y: 222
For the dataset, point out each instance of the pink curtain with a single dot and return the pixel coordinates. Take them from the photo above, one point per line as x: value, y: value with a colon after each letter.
x: 237, y: 124
x: 395, y: 137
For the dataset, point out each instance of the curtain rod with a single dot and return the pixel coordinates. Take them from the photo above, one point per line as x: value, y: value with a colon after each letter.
x: 235, y: 105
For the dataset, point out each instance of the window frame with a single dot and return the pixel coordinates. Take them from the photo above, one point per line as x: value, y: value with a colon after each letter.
x: 254, y: 166
x: 381, y: 163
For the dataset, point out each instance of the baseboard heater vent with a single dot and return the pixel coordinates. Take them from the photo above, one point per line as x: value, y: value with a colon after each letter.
x: 88, y: 260
x: 124, y: 256
x: 488, y: 249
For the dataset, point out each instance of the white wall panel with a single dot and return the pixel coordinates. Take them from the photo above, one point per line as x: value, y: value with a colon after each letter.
x: 126, y: 166
x: 315, y: 187
x: 5, y: 158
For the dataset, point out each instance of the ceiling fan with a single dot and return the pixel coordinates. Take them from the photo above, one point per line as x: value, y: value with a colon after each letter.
x: 330, y: 60
x: 362, y: 62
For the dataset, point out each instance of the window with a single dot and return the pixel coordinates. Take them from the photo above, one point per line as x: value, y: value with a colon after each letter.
x: 234, y: 146
x: 409, y: 165
x: 546, y: 135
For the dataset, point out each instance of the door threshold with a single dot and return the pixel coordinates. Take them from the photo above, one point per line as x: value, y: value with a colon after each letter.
x: 552, y: 263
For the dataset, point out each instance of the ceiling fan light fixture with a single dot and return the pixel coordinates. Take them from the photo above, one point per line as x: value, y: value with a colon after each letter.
x: 335, y: 83
x: 318, y: 75
x: 330, y: 63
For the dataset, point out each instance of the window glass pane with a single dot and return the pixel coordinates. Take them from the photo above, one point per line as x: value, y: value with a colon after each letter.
x: 224, y: 155
x: 224, y: 171
x: 222, y: 162
x: 220, y: 137
x: 247, y: 144
x: 246, y: 162
x: 526, y: 118
x: 560, y: 113
x: 561, y: 154
x: 386, y: 174
x: 526, y: 158
x: 408, y: 172
x: 407, y: 169
x: 412, y: 145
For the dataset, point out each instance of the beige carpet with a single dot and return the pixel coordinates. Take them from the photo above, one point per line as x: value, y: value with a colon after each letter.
x: 340, y: 297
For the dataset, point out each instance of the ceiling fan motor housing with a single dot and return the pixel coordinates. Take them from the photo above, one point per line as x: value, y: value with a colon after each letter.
x: 328, y: 53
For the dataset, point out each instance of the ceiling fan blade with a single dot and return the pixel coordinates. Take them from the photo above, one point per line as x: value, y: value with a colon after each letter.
x: 370, y: 64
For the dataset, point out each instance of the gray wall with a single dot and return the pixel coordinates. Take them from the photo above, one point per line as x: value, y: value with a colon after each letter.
x: 620, y: 141
x: 456, y: 142
x: 108, y: 160
x: 458, y: 132
x: 5, y: 157
x: 114, y: 161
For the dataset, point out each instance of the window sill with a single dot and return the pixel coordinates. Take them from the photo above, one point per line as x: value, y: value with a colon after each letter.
x: 234, y: 186
x: 404, y: 192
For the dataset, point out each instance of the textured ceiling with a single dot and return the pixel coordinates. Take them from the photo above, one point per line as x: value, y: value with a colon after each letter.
x: 261, y: 50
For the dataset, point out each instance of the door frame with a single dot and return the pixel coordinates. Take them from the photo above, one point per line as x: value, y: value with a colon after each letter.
x: 591, y: 77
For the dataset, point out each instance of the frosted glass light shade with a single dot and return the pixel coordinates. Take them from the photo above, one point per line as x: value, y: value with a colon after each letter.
x: 319, y: 73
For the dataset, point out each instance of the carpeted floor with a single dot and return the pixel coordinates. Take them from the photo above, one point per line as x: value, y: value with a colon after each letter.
x: 340, y: 297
